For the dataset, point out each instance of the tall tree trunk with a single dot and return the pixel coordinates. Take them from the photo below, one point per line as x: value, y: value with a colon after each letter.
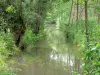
x: 86, y: 23
x: 86, y: 30
x: 70, y: 12
x: 99, y: 18
x: 77, y: 10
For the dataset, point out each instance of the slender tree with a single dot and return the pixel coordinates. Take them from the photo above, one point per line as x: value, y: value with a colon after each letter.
x: 86, y: 23
x: 77, y: 10
x: 86, y: 29
x: 99, y: 18
x: 71, y: 12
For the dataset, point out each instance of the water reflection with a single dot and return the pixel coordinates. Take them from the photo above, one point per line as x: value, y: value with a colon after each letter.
x: 53, y: 64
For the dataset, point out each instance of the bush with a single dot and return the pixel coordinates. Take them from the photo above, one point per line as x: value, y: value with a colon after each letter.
x: 7, y: 48
x: 92, y: 60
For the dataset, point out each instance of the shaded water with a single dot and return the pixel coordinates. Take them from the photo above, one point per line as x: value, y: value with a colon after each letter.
x: 54, y: 57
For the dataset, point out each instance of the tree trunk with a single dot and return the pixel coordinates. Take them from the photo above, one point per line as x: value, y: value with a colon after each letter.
x: 70, y: 12
x: 77, y: 10
x: 86, y: 23
x: 99, y: 18
x: 86, y: 30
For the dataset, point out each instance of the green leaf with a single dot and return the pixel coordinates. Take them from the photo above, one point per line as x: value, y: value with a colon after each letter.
x: 10, y: 9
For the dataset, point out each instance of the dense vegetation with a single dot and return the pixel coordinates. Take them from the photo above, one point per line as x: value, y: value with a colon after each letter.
x: 24, y: 23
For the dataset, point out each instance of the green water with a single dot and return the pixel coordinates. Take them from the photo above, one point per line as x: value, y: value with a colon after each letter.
x: 54, y: 57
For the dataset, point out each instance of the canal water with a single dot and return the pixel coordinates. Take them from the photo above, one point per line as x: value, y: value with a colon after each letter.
x: 54, y: 57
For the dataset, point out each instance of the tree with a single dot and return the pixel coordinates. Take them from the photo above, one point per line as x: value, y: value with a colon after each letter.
x: 86, y: 23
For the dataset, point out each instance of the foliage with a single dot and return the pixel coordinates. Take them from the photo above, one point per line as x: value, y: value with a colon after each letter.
x: 30, y: 38
x: 3, y: 24
x: 7, y: 49
x: 92, y: 60
x: 10, y: 9
x: 92, y: 54
x: 56, y: 14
